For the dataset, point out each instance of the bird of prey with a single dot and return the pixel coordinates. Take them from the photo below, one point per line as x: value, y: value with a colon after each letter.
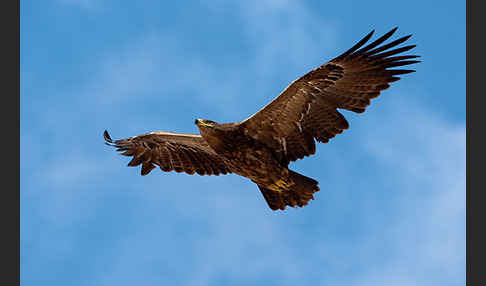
x: 261, y: 147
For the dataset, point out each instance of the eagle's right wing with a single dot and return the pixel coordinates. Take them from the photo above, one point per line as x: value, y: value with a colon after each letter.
x: 308, y: 108
x: 178, y: 152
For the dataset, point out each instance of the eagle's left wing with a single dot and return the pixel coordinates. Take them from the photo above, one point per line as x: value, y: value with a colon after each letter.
x: 179, y: 152
x: 307, y: 108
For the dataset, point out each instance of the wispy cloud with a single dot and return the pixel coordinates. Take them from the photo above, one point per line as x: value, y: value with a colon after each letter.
x: 420, y: 240
x: 427, y: 156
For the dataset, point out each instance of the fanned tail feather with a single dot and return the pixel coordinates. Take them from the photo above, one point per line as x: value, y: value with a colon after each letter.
x: 298, y: 194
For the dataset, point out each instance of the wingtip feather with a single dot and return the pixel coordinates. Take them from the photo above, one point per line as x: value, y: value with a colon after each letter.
x: 377, y: 42
x: 107, y: 137
x: 357, y: 45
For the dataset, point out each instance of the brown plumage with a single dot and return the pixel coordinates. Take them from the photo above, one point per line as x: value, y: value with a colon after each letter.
x: 262, y: 146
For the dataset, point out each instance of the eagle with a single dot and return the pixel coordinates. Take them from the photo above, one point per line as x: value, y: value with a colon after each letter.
x: 262, y: 146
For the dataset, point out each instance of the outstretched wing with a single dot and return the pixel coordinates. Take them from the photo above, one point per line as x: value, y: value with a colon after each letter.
x: 307, y: 108
x: 171, y: 152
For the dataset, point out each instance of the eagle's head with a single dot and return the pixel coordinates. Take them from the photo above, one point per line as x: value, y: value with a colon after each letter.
x: 204, y: 123
x: 211, y: 132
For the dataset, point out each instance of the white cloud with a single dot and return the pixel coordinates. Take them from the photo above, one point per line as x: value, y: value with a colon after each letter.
x: 421, y: 239
x: 428, y: 157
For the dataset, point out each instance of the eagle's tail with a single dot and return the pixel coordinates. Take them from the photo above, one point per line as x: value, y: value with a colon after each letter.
x: 299, y: 194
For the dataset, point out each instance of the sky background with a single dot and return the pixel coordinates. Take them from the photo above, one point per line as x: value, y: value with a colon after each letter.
x: 391, y: 210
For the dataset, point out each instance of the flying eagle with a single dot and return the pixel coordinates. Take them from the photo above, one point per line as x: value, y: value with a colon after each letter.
x: 262, y: 146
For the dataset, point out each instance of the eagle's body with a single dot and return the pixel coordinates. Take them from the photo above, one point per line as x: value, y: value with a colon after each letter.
x: 253, y: 159
x: 246, y: 156
x: 262, y: 146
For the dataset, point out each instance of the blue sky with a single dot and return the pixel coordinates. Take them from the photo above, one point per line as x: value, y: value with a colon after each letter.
x: 391, y: 210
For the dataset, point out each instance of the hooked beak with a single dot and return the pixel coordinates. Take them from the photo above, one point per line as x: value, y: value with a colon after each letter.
x: 200, y: 122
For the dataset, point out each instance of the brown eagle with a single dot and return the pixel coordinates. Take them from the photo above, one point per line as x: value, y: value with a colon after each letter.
x: 262, y: 146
